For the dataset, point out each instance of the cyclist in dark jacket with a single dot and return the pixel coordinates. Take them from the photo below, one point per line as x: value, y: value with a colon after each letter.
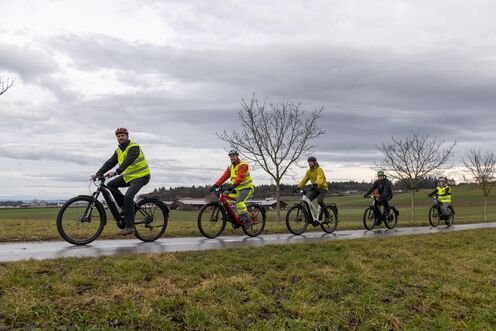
x: 384, y: 191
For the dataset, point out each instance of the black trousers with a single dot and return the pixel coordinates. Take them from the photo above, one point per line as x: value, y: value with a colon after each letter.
x: 384, y: 202
x: 127, y: 201
x: 320, y: 195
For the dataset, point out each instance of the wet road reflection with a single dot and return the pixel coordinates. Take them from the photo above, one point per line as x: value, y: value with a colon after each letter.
x: 57, y: 249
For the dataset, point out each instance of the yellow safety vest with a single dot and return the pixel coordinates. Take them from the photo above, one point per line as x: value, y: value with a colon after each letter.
x: 139, y: 168
x: 444, y: 194
x: 247, y: 182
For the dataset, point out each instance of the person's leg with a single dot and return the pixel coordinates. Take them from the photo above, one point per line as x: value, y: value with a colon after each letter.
x: 241, y: 198
x: 320, y: 201
x: 114, y: 184
x: 444, y: 209
x: 312, y: 194
x: 134, y: 186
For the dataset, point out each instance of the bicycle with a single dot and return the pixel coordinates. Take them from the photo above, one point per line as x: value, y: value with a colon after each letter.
x: 436, y: 214
x: 303, y: 213
x: 374, y: 214
x: 213, y: 216
x: 81, y: 219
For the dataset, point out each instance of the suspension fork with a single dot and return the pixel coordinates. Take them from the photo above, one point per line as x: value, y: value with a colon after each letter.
x: 91, y: 206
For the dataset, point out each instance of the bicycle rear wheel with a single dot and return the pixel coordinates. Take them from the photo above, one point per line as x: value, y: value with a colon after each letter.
x: 296, y: 220
x: 434, y: 216
x: 369, y: 218
x: 330, y: 227
x: 392, y: 219
x: 257, y: 214
x: 451, y: 216
x: 150, y: 220
x: 81, y: 220
x: 212, y: 220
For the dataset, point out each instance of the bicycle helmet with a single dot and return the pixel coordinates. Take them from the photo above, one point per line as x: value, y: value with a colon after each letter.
x: 441, y: 179
x: 312, y: 158
x: 233, y: 152
x: 121, y: 130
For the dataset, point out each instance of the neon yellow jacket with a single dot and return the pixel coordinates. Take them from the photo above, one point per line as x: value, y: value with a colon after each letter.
x: 316, y: 176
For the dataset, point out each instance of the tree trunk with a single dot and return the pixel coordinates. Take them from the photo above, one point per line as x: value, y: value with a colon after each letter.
x: 413, y: 205
x: 485, y: 208
x: 278, y: 200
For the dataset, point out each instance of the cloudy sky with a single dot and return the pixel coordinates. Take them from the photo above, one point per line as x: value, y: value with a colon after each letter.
x: 174, y: 73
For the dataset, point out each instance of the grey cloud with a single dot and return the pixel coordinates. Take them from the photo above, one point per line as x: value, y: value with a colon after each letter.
x: 27, y: 63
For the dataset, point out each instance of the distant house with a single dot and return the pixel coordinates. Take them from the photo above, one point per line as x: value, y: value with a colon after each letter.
x: 187, y: 204
x: 270, y: 203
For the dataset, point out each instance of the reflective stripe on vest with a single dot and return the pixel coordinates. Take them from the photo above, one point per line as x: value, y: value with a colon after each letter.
x: 247, y: 181
x: 139, y: 168
x: 442, y: 196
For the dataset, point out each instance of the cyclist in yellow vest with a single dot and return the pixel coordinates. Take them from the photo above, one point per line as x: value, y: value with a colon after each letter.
x: 319, y: 184
x: 443, y: 192
x: 241, y: 185
x: 134, y: 173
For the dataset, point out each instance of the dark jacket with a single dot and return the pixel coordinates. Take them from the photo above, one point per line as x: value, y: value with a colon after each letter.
x: 132, y: 155
x: 384, y: 187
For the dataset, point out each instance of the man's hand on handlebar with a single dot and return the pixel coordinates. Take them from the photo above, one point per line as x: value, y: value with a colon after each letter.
x: 213, y: 188
x: 111, y: 174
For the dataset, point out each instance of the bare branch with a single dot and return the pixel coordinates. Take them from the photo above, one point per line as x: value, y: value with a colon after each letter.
x: 5, y: 85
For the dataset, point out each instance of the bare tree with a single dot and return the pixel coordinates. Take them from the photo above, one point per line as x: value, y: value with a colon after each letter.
x: 482, y: 170
x: 274, y: 137
x: 414, y: 157
x: 5, y: 85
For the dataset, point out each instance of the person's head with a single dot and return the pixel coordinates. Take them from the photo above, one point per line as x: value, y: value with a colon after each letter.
x: 380, y: 175
x: 312, y: 161
x: 122, y: 135
x: 441, y: 181
x: 234, y: 156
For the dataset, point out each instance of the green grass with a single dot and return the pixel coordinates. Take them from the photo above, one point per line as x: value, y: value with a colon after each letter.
x: 435, y: 282
x: 39, y: 224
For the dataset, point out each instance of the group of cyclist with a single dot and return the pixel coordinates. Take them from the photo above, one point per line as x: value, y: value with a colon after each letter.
x: 134, y: 172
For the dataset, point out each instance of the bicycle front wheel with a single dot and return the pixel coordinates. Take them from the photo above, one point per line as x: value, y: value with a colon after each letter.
x: 81, y: 220
x: 150, y: 220
x: 433, y: 216
x: 329, y: 227
x: 296, y: 220
x: 257, y: 215
x: 369, y: 218
x: 212, y: 220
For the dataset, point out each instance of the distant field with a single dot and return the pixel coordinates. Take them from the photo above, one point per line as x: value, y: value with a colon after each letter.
x: 39, y: 223
x: 442, y: 281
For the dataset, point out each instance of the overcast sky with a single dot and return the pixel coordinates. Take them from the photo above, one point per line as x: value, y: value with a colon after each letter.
x: 174, y: 73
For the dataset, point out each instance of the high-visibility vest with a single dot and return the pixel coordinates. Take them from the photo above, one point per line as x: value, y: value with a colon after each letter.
x: 139, y: 168
x: 444, y: 194
x: 247, y: 182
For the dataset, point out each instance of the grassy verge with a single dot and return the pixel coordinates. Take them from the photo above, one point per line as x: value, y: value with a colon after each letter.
x: 438, y: 281
x: 39, y: 224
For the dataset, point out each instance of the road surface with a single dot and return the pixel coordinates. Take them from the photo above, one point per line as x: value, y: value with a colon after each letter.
x: 56, y: 249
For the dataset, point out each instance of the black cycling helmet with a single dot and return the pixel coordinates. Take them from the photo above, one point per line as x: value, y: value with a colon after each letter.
x: 312, y: 158
x: 233, y: 152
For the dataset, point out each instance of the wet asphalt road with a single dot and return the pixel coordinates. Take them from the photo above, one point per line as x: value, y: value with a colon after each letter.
x: 56, y: 249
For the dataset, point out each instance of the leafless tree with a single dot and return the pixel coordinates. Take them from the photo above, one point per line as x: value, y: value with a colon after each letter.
x: 274, y: 136
x: 482, y: 170
x: 5, y: 85
x: 414, y: 157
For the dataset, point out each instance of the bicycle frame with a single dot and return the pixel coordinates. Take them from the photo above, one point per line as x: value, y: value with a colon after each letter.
x: 311, y: 208
x: 225, y: 201
x: 107, y: 196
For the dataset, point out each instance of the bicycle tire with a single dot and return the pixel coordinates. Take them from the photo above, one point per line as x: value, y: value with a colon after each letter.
x: 75, y: 220
x: 369, y: 218
x: 433, y: 216
x: 451, y: 218
x: 147, y: 208
x: 214, y: 218
x: 258, y: 225
x: 301, y: 218
x: 333, y: 224
x: 392, y: 219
